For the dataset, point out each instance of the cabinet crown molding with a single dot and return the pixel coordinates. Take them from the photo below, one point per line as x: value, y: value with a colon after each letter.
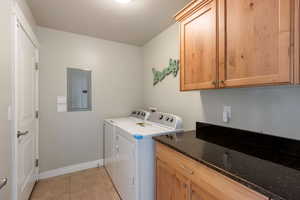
x: 189, y: 9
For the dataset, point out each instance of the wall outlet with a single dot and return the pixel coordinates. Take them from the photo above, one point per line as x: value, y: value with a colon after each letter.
x: 226, y: 114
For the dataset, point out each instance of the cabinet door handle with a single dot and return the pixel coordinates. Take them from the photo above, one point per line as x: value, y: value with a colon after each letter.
x: 214, y: 83
x: 3, y: 182
x: 189, y: 171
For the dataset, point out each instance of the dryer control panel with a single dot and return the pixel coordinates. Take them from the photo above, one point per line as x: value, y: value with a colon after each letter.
x: 141, y: 114
x: 166, y: 119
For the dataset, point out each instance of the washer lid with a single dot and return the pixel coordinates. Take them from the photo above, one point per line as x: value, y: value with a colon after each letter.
x: 147, y: 129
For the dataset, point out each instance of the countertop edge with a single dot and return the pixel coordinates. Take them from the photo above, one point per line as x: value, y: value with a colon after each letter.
x: 242, y: 181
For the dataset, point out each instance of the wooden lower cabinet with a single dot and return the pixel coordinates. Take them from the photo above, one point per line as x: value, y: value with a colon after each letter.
x: 181, y: 178
x: 198, y: 194
x: 182, y: 187
x: 170, y: 185
x: 165, y: 179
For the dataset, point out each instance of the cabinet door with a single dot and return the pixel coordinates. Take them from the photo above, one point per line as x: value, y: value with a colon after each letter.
x: 165, y: 179
x: 198, y: 194
x: 199, y: 48
x: 182, y: 189
x: 255, y: 39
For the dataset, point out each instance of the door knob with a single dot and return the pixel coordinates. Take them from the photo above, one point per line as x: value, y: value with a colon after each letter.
x: 20, y: 133
x: 3, y: 182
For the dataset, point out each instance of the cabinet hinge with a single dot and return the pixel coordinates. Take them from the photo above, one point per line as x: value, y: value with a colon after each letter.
x: 36, y: 66
x: 37, y: 114
x: 36, y: 162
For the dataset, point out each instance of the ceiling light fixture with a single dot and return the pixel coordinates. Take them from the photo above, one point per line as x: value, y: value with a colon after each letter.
x: 123, y: 1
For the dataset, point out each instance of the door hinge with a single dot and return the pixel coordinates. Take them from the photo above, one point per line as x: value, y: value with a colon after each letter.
x: 37, y: 114
x: 36, y: 162
x: 36, y: 66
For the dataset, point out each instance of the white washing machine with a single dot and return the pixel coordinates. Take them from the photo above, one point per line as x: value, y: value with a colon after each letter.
x: 109, y: 129
x: 132, y: 163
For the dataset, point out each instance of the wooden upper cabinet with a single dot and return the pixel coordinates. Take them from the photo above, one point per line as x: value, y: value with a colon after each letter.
x: 199, y: 47
x: 238, y: 43
x: 255, y: 41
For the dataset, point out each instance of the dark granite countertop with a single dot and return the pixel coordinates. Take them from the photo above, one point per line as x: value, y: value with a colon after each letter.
x: 267, y: 176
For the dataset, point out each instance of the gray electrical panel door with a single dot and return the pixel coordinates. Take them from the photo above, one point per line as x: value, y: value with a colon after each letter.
x: 79, y: 90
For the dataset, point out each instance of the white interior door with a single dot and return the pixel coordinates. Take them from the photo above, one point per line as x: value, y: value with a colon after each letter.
x: 26, y: 119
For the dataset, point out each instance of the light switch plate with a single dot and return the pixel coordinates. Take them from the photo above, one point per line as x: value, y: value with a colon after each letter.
x: 61, y: 100
x: 61, y: 108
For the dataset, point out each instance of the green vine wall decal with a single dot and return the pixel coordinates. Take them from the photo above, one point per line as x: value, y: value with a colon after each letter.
x: 173, y: 68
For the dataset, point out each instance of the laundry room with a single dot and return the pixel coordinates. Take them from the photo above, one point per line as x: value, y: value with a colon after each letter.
x: 149, y: 100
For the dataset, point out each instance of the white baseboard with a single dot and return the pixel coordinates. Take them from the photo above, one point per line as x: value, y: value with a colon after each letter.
x: 71, y: 169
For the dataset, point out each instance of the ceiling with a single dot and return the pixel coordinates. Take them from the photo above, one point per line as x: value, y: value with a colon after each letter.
x: 134, y: 23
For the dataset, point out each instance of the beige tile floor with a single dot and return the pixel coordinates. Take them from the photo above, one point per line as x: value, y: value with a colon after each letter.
x: 92, y: 184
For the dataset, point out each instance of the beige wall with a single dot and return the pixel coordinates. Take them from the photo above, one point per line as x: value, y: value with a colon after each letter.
x: 273, y: 110
x: 5, y: 53
x: 122, y: 80
x: 72, y: 138
x: 166, y: 95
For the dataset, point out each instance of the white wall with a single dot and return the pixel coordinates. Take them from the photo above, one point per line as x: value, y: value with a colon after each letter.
x: 272, y: 110
x: 5, y: 63
x: 72, y: 138
x: 27, y: 13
